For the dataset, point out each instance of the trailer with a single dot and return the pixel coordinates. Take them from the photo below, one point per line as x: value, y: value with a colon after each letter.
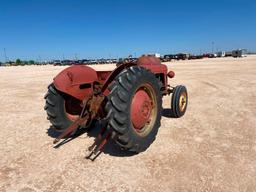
x: 221, y: 54
x: 239, y: 53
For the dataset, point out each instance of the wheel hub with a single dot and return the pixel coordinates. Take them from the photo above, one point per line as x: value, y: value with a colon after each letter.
x: 182, y: 101
x: 141, y: 109
x: 72, y: 108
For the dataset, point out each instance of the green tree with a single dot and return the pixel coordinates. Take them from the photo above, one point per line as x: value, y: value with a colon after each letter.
x: 31, y: 62
x: 18, y: 62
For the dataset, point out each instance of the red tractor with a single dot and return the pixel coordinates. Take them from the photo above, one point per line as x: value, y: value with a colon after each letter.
x: 127, y: 101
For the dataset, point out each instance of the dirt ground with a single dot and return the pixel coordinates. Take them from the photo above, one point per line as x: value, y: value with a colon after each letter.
x: 211, y: 148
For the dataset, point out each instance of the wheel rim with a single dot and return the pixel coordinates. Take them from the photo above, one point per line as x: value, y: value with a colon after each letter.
x: 72, y: 108
x: 183, y: 101
x: 143, y: 109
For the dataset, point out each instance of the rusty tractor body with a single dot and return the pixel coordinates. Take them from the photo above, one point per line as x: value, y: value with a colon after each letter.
x: 127, y: 102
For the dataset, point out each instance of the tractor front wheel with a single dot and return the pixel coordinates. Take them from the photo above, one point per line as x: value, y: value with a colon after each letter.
x: 134, y: 107
x: 179, y: 101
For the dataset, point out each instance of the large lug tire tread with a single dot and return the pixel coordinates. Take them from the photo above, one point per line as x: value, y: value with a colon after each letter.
x: 178, y: 90
x: 54, y: 107
x: 118, y: 108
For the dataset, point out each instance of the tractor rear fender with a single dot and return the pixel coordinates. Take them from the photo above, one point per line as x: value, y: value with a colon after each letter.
x: 112, y: 76
x: 76, y: 81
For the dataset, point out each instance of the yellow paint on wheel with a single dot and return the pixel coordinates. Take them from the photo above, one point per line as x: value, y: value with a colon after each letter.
x: 183, y: 101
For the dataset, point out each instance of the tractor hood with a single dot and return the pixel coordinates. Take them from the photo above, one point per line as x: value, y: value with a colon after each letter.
x: 76, y: 81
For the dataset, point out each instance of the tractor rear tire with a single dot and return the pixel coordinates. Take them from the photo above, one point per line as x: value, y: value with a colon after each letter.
x: 179, y: 101
x: 131, y: 132
x: 55, y: 109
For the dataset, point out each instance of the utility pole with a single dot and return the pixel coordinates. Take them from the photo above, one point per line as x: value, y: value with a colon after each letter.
x: 5, y: 56
x: 212, y: 47
x: 39, y: 59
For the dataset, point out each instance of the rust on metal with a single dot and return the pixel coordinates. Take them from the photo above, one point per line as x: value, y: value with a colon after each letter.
x: 69, y: 81
x: 71, y: 128
x: 91, y: 109
x: 171, y: 74
x: 96, y: 148
x: 141, y: 109
x: 89, y: 90
x: 148, y: 60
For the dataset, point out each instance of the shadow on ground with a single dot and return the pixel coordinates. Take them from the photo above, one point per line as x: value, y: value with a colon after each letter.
x: 167, y: 112
x: 111, y: 148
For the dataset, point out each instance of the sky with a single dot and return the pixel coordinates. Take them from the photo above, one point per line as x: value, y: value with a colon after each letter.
x: 57, y: 29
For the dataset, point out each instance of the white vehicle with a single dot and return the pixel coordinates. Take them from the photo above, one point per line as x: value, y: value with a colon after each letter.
x: 221, y: 54
x: 157, y: 55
